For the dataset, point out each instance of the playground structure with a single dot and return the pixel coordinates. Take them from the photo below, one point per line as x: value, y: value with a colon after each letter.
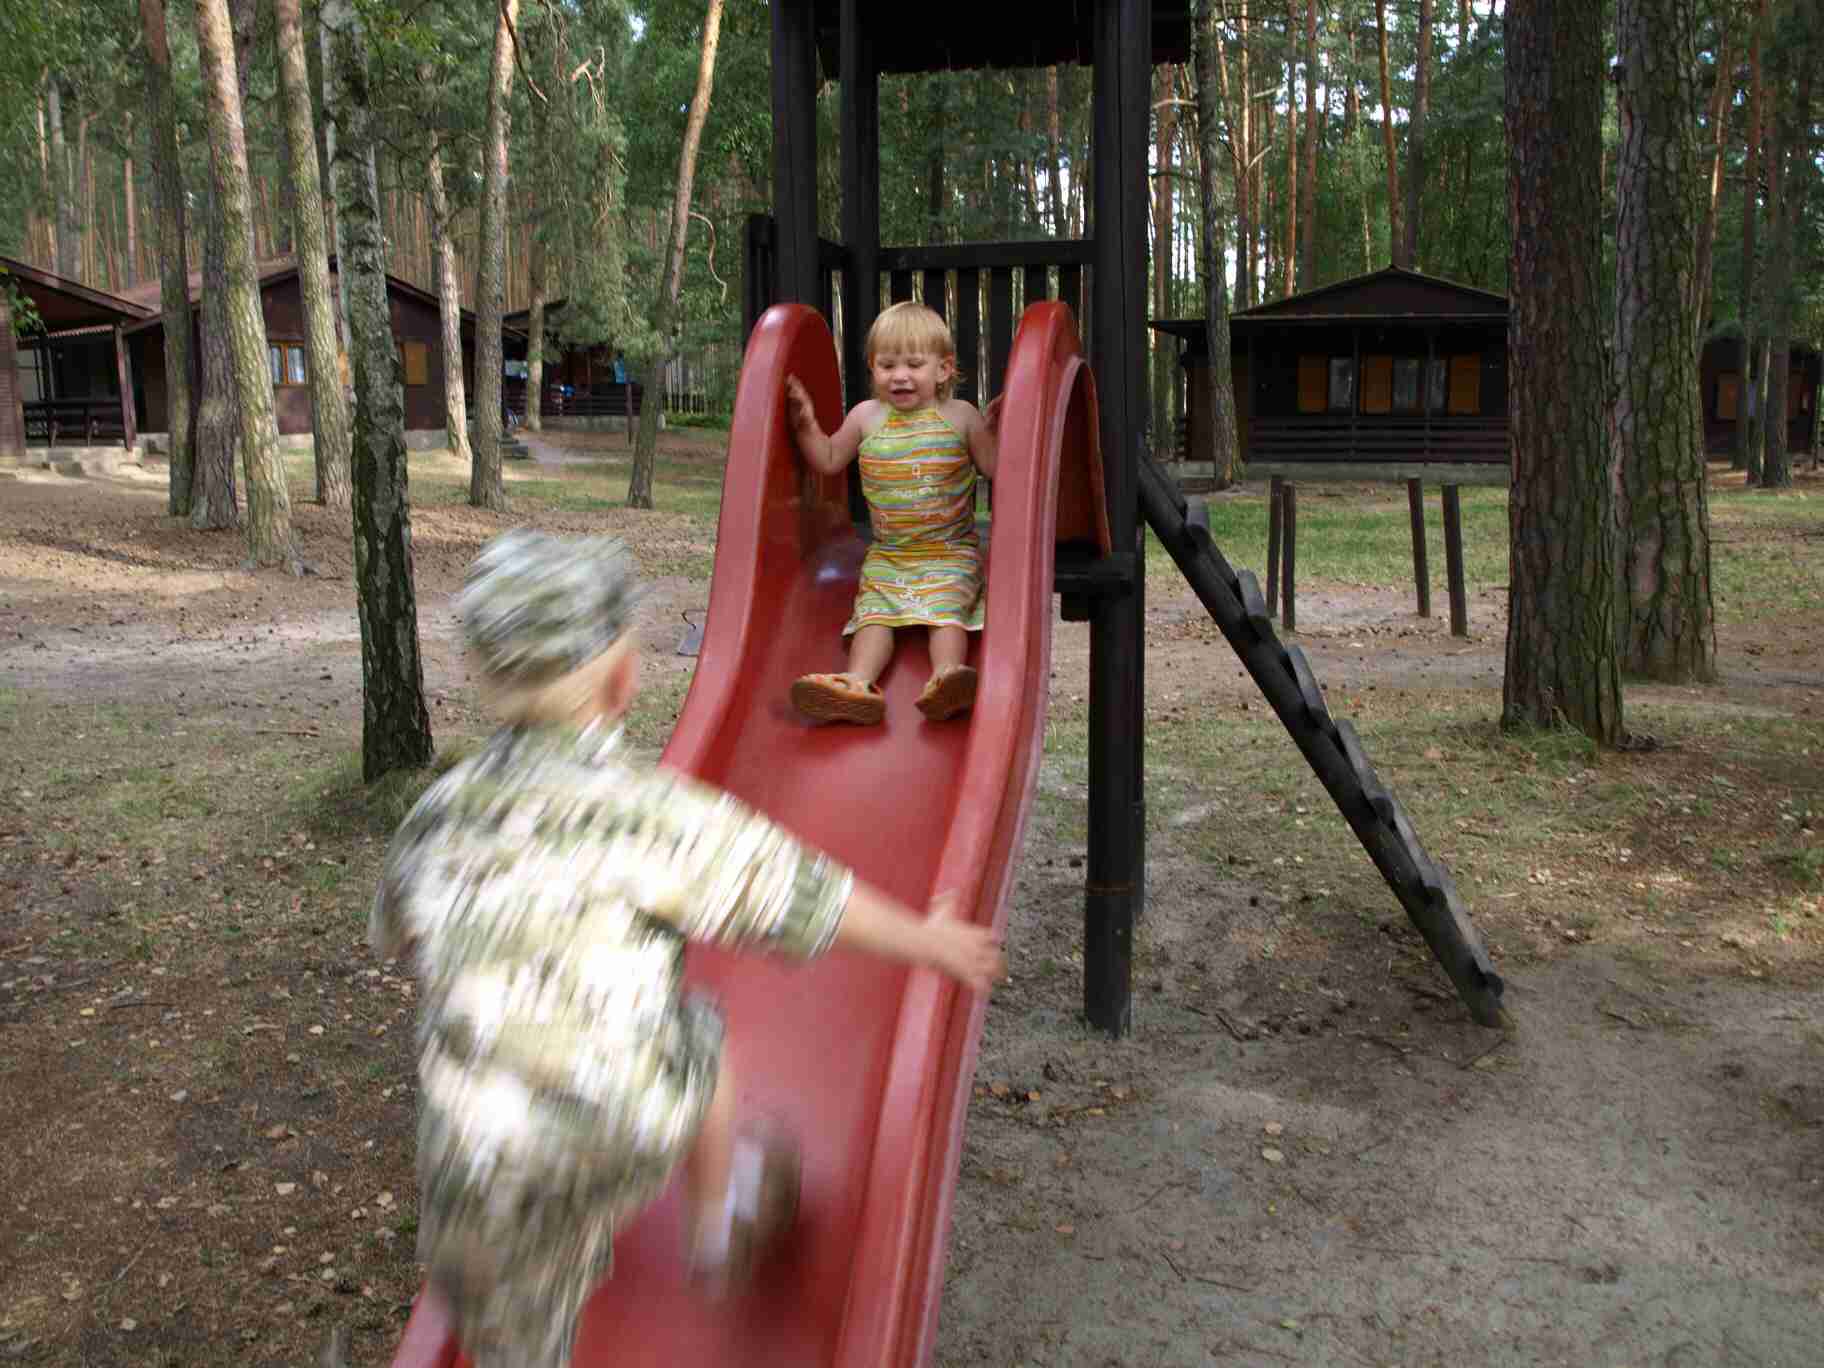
x: 871, y: 1066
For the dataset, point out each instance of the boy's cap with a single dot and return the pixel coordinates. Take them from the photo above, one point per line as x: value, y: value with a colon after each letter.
x: 536, y: 606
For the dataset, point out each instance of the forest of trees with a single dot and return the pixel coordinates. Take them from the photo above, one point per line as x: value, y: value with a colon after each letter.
x: 1351, y: 134
x: 510, y: 153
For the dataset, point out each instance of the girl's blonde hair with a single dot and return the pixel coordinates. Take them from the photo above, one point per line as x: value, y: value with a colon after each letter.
x: 912, y: 327
x: 573, y: 697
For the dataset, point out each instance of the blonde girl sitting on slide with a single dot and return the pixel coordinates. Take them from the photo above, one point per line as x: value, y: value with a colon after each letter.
x: 920, y: 449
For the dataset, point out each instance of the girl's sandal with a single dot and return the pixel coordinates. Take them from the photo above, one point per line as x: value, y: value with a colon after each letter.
x: 948, y: 692
x: 763, y: 1207
x: 838, y: 698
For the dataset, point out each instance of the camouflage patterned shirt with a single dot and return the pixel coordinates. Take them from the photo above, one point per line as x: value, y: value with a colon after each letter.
x: 548, y: 886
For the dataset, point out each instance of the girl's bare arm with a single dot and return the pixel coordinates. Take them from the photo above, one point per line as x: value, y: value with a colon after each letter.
x: 979, y: 432
x: 824, y: 452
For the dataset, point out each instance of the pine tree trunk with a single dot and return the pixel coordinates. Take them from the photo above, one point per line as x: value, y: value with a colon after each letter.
x: 1307, y: 267
x: 1247, y: 196
x: 1055, y: 185
x: 130, y: 262
x: 1224, y: 444
x: 174, y: 260
x: 395, y: 723
x: 1667, y: 627
x: 1165, y: 347
x: 213, y: 503
x: 331, y: 15
x: 1721, y: 97
x: 1415, y: 138
x: 535, y: 337
x: 1240, y: 157
x: 1743, y: 440
x: 269, y: 540
x: 1289, y: 249
x: 639, y: 488
x: 1561, y: 657
x: 328, y: 405
x: 487, y: 488
x: 63, y: 195
x: 1769, y: 285
x: 1776, y: 473
x: 1396, y: 237
x: 449, y: 310
x: 1793, y: 151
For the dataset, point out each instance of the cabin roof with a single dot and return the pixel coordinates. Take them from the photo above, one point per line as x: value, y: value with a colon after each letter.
x: 963, y: 35
x: 1389, y: 294
x: 64, y: 304
x: 272, y: 271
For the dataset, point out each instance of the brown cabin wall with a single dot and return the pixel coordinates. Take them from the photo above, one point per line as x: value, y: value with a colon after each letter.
x: 282, y: 304
x: 1265, y: 364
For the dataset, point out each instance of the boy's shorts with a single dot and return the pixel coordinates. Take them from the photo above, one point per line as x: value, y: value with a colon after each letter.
x: 522, y: 1188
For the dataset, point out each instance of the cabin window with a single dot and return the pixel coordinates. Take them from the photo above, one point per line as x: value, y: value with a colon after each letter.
x: 1342, y: 384
x: 1798, y: 397
x: 1406, y: 384
x: 1377, y: 384
x: 1313, y: 384
x: 1436, y: 385
x: 1465, y: 384
x: 417, y: 363
x: 1728, y: 395
x: 286, y: 361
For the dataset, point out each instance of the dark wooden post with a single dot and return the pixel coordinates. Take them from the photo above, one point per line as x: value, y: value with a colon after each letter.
x: 128, y: 434
x: 1421, y: 567
x: 1289, y: 617
x: 1115, y: 888
x: 795, y: 151
x: 1453, y: 561
x: 860, y: 214
x: 1276, y: 489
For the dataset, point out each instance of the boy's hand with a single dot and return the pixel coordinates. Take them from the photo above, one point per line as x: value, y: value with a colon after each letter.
x: 968, y: 953
x: 799, y: 411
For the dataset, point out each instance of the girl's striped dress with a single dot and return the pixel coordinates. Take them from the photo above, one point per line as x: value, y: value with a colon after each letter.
x: 925, y: 566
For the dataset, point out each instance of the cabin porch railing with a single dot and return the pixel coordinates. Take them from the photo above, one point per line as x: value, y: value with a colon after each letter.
x: 1374, y: 438
x: 73, y: 420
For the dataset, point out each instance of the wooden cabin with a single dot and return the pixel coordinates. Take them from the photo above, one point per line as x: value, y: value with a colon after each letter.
x: 580, y: 382
x: 417, y: 329
x: 1390, y: 368
x: 1719, y: 388
x: 69, y: 384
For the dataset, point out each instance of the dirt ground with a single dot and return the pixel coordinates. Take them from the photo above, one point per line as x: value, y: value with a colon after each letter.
x: 1304, y: 1153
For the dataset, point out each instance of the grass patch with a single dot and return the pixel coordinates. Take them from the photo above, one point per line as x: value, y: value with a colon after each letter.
x: 1359, y: 534
x: 1767, y: 556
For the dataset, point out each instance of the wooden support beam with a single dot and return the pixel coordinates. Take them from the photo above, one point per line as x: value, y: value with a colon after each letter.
x: 1288, y: 617
x: 860, y: 216
x: 1453, y: 561
x: 795, y: 152
x: 1276, y: 503
x: 1115, y: 888
x: 1421, y: 567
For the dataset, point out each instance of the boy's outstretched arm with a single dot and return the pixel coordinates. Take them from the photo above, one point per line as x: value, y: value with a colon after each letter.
x: 880, y: 925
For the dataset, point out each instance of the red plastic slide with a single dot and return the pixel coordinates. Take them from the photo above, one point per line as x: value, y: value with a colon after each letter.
x: 869, y: 1066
